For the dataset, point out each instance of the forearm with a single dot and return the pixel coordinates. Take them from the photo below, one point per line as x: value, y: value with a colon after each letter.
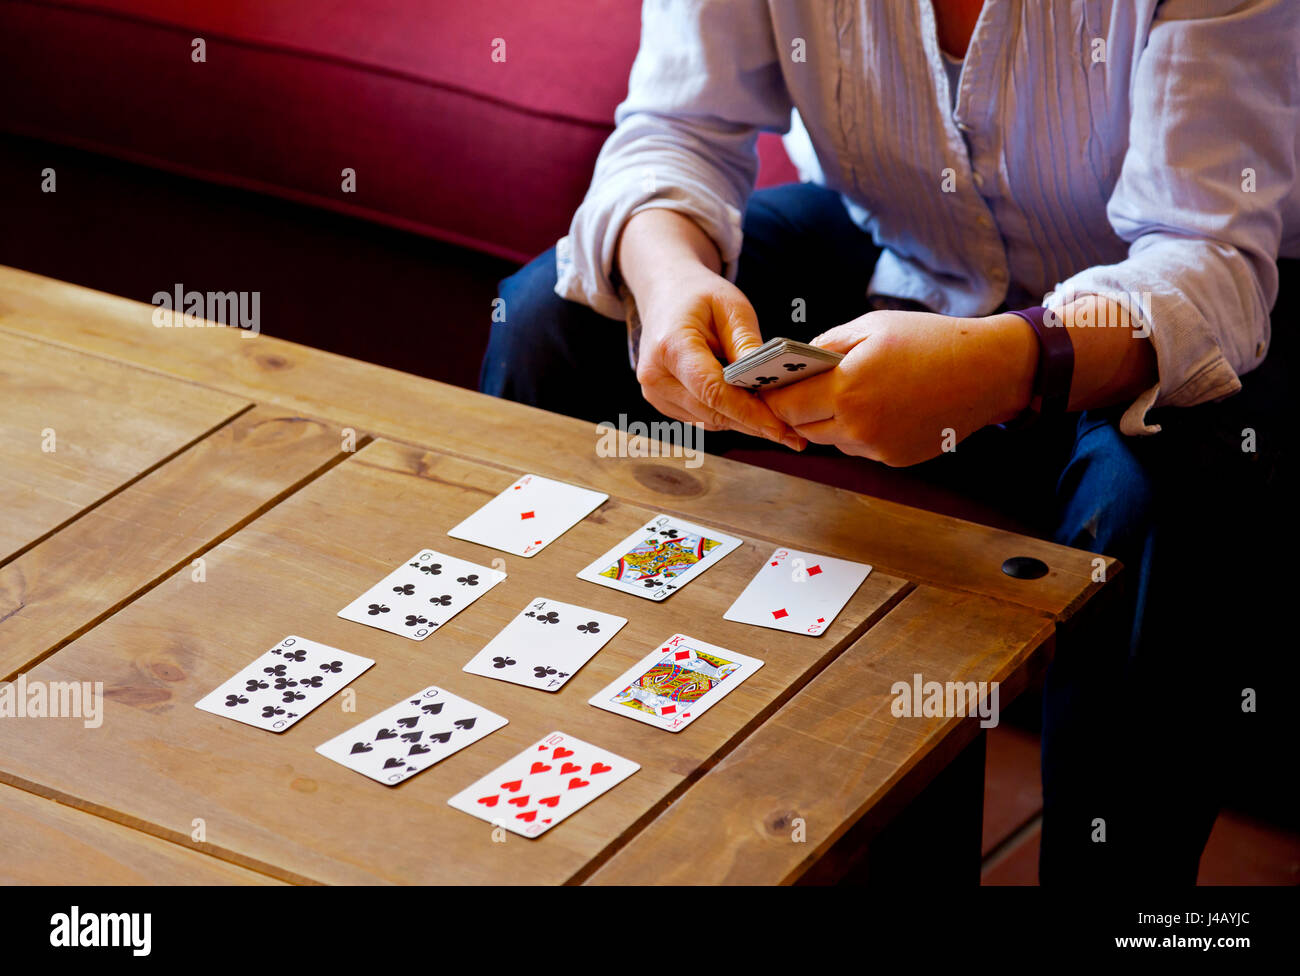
x: 1112, y: 362
x: 654, y: 241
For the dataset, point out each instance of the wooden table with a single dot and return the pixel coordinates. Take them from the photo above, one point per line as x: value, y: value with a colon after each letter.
x: 212, y: 492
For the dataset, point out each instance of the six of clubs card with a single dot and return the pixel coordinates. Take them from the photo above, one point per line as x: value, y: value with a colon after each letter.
x: 529, y: 515
x: 659, y: 558
x: 542, y: 785
x: 545, y: 645
x: 411, y: 736
x: 422, y: 594
x: 676, y: 683
x: 799, y: 592
x: 284, y: 684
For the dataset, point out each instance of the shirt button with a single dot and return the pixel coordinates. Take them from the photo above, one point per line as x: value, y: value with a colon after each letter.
x: 1259, y: 350
x: 979, y: 180
x: 983, y: 221
x: 997, y: 274
x: 963, y: 127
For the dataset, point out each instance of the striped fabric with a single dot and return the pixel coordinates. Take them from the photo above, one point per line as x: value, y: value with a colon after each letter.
x: 1142, y: 150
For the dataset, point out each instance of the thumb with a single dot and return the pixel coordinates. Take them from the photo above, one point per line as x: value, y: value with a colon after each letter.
x: 737, y: 326
x: 842, y: 338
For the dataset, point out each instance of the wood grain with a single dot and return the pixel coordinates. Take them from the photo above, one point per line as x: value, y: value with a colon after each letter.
x: 108, y: 423
x: 274, y: 805
x: 834, y: 751
x: 103, y: 559
x: 46, y: 843
x: 735, y: 497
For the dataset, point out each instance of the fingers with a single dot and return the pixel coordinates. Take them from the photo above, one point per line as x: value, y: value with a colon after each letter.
x: 688, y: 358
x: 843, y: 338
x: 805, y: 402
x: 737, y: 327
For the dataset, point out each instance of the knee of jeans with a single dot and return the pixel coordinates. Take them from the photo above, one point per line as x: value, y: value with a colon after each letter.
x: 1107, y: 494
x: 522, y: 315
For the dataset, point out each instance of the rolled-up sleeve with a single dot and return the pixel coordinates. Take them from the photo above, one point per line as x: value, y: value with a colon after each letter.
x: 705, y: 81
x: 1211, y: 159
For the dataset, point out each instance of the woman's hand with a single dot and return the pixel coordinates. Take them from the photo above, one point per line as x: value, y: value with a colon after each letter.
x: 907, y: 379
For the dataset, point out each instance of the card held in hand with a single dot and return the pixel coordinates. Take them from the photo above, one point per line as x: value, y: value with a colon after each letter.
x: 422, y: 594
x: 659, y: 558
x: 529, y: 515
x: 420, y: 730
x: 546, y: 644
x: 676, y: 683
x: 544, y: 784
x: 284, y: 684
x: 798, y: 592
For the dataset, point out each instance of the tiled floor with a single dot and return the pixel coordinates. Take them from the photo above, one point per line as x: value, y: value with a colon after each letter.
x: 1240, y: 850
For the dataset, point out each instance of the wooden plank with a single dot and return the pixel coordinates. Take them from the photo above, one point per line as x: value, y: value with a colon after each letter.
x: 46, y: 843
x: 100, y: 561
x: 75, y: 428
x: 835, y: 750
x: 900, y: 540
x: 272, y: 803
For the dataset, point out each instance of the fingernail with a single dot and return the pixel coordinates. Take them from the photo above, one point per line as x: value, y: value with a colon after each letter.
x: 792, y: 442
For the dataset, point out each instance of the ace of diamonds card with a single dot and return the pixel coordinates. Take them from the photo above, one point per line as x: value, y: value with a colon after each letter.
x: 529, y: 515
x: 798, y: 592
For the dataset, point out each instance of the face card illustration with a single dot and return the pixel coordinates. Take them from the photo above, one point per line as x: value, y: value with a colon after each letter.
x: 411, y: 736
x: 529, y: 515
x: 659, y: 558
x: 676, y: 683
x: 798, y: 592
x: 544, y: 784
x: 284, y: 684
x: 546, y: 644
x: 422, y: 594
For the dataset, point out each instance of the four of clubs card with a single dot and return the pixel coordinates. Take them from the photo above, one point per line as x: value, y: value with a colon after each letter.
x: 799, y: 592
x: 546, y: 644
x: 676, y: 683
x: 284, y: 684
x: 542, y: 785
x: 411, y: 736
x: 422, y: 594
x: 659, y: 558
x: 529, y: 515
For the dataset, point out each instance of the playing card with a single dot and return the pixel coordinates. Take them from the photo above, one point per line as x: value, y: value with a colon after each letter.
x: 284, y: 684
x: 422, y: 594
x: 676, y: 683
x: 799, y: 592
x: 411, y: 736
x: 659, y: 558
x: 778, y: 363
x: 545, y: 645
x: 543, y: 785
x: 529, y: 515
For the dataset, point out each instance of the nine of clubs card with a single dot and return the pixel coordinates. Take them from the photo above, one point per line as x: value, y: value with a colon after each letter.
x: 422, y: 594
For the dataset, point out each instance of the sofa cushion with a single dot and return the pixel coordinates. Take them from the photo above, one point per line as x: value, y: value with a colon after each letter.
x: 444, y: 140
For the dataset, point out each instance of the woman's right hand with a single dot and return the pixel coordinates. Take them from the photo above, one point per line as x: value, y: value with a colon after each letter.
x: 690, y: 315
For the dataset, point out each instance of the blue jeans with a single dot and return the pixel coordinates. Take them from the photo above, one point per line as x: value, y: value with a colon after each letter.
x: 1142, y: 693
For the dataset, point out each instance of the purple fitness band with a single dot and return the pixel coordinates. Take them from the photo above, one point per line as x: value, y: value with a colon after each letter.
x: 1055, y: 362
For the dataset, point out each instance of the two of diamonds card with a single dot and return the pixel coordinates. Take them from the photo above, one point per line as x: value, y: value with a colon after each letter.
x: 660, y: 558
x: 799, y: 592
x: 676, y: 683
x: 546, y: 644
x: 411, y: 736
x: 284, y: 684
x: 529, y: 515
x: 543, y: 785
x: 422, y: 594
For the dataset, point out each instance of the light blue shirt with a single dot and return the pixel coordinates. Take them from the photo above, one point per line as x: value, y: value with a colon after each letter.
x: 1135, y: 148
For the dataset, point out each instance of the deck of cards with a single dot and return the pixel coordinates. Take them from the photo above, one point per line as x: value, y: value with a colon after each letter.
x: 547, y: 642
x: 779, y: 362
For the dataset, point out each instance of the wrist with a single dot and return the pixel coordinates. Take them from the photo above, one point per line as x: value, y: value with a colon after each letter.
x: 1018, y: 352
